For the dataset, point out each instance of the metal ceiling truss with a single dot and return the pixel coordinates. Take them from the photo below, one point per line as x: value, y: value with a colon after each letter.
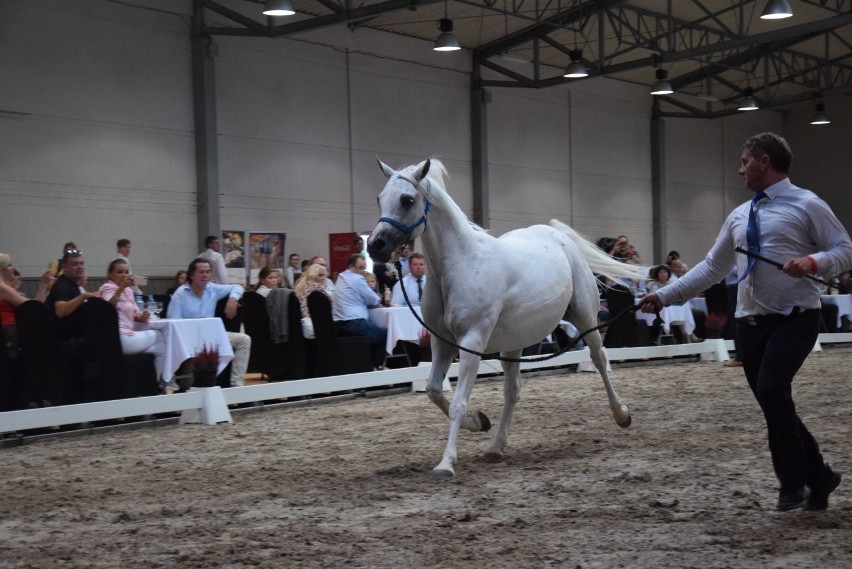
x: 618, y: 38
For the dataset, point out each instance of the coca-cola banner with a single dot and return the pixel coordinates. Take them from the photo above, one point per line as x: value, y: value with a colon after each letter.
x: 340, y: 248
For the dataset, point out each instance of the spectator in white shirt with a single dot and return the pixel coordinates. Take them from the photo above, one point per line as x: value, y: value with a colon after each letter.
x: 217, y: 261
x: 414, y: 282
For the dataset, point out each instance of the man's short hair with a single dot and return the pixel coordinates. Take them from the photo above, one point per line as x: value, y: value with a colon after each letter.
x: 210, y: 239
x: 354, y: 259
x: 417, y: 256
x: 122, y: 243
x: 772, y: 145
x: 193, y: 265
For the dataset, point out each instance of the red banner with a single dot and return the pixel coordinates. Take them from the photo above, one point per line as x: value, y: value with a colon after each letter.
x: 339, y: 251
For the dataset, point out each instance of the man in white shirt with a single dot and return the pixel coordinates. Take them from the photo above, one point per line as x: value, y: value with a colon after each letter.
x: 352, y: 297
x: 414, y: 282
x: 197, y: 299
x: 778, y: 313
x: 293, y: 270
x: 217, y: 261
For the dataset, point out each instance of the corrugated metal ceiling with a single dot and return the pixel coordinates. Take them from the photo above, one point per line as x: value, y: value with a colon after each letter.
x: 712, y: 48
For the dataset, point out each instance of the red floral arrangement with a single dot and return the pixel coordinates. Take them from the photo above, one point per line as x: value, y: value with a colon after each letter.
x: 425, y: 337
x: 715, y: 320
x: 207, y: 359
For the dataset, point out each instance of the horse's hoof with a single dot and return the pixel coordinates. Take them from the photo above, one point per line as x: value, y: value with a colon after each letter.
x: 484, y: 422
x: 625, y: 423
x: 492, y: 456
x: 441, y: 474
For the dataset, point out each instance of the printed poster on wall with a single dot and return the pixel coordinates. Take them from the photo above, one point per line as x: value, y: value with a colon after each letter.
x: 233, y: 249
x: 266, y: 249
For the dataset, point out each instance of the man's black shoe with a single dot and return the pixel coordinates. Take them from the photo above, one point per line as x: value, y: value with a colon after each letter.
x: 818, y: 500
x: 793, y: 499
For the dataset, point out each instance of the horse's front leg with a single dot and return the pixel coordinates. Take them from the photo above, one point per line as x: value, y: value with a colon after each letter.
x: 442, y: 358
x: 511, y: 395
x: 468, y: 368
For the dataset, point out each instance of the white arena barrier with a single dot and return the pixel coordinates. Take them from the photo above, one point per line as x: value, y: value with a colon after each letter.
x: 210, y: 405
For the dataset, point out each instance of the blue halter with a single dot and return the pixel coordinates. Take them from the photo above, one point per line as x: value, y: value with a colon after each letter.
x: 408, y: 230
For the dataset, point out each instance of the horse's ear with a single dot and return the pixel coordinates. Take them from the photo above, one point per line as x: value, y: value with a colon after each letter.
x: 424, y: 170
x: 386, y: 170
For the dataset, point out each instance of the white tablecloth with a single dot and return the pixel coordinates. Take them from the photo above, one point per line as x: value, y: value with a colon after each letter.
x: 699, y: 303
x: 843, y: 303
x: 185, y: 337
x: 671, y: 315
x: 399, y: 322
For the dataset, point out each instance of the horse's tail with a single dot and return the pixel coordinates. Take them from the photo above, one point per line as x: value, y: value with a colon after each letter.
x: 600, y: 262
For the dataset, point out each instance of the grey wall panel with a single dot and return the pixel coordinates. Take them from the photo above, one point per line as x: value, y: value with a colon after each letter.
x: 103, y: 148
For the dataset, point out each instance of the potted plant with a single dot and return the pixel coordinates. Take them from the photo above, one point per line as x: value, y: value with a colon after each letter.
x: 713, y: 324
x: 425, y: 345
x: 205, y: 365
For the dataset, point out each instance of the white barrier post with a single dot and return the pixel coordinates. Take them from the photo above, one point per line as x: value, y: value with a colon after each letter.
x: 214, y: 408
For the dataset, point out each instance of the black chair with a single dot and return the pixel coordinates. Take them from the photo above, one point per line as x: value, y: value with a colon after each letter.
x: 103, y: 367
x: 276, y: 361
x: 828, y: 318
x: 335, y: 355
x: 231, y: 324
x: 41, y: 353
x: 621, y: 332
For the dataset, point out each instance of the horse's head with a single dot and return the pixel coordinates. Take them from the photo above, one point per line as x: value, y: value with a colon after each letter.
x: 403, y: 207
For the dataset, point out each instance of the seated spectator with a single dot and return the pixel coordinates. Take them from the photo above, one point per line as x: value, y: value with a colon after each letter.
x: 372, y: 282
x: 56, y: 266
x: 180, y: 278
x: 118, y: 291
x: 660, y: 277
x: 267, y: 280
x: 414, y: 282
x: 11, y: 297
x: 352, y: 297
x: 197, y: 299
x: 67, y: 295
x: 329, y: 285
x: 679, y: 268
x: 313, y: 278
x: 10, y: 281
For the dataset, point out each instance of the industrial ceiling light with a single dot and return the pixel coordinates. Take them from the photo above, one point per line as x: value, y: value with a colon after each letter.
x: 776, y: 10
x: 748, y: 103
x: 278, y: 8
x: 576, y: 69
x: 662, y: 86
x: 446, y: 41
x: 820, y: 117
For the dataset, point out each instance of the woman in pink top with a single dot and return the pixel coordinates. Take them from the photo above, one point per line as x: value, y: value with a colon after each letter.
x: 118, y: 291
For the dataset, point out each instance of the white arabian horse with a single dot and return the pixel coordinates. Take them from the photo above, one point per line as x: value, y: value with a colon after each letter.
x: 490, y: 294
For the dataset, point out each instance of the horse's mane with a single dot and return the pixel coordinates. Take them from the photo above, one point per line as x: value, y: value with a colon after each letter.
x: 435, y: 189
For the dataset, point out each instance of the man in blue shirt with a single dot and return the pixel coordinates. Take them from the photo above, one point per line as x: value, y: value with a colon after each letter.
x: 352, y: 297
x: 778, y: 313
x: 197, y: 299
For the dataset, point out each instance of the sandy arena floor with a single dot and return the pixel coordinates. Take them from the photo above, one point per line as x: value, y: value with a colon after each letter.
x: 689, y: 484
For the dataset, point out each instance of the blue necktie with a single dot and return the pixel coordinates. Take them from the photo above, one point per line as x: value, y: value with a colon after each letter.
x: 752, y: 233
x: 419, y: 289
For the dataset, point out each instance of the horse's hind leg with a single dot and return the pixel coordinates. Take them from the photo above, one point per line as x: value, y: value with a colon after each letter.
x: 620, y: 412
x: 511, y: 395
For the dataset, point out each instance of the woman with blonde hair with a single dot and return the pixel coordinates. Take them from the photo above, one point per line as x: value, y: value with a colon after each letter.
x: 312, y: 279
x: 9, y: 295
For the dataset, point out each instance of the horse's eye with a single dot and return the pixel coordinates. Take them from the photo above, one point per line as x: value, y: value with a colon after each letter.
x: 378, y: 203
x: 406, y: 201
